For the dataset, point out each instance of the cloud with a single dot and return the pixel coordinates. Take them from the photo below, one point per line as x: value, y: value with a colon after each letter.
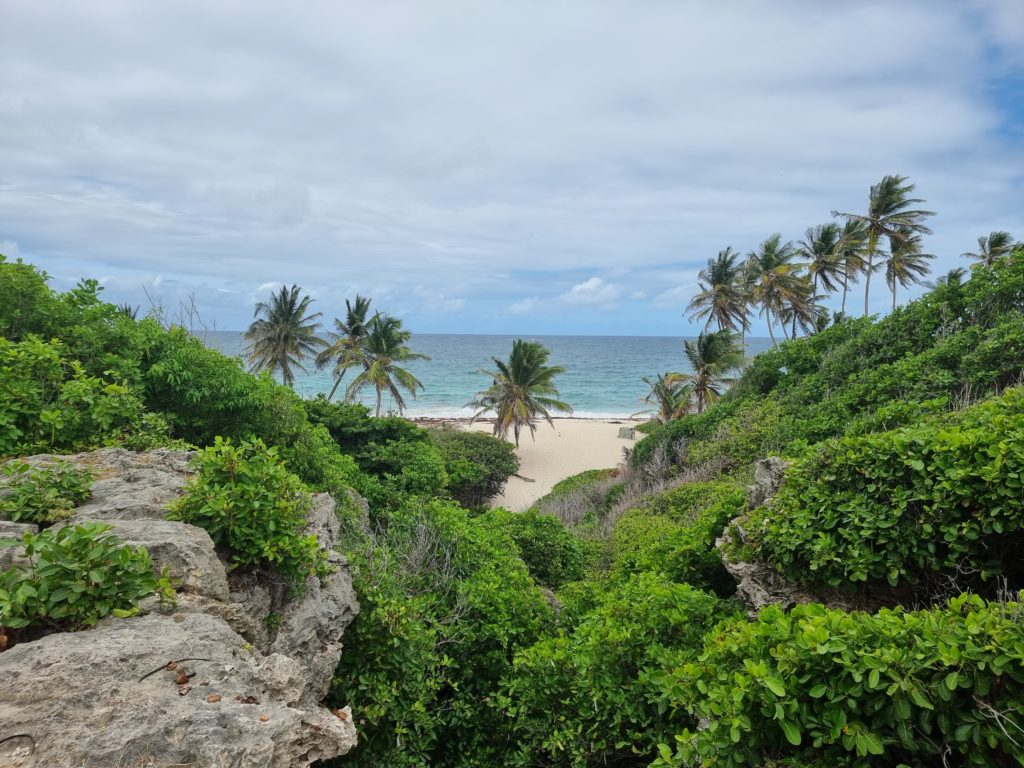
x: 679, y: 296
x: 10, y: 249
x: 592, y: 292
x: 437, y: 302
x: 485, y: 152
x: 524, y: 306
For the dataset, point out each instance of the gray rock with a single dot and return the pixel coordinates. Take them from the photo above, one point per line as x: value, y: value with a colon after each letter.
x: 768, y: 474
x: 80, y: 698
x: 187, y: 550
x: 8, y: 530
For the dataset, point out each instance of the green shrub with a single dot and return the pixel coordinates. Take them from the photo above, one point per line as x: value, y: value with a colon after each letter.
x: 586, y: 698
x: 77, y: 575
x: 937, y: 687
x: 552, y: 554
x: 674, y: 534
x: 42, y: 495
x: 942, y: 496
x: 444, y: 602
x: 252, y: 505
x: 478, y: 464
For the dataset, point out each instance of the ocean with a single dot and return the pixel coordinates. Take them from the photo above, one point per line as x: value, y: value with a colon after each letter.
x: 602, y: 379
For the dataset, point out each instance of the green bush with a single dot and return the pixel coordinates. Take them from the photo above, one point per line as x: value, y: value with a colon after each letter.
x: 586, y: 698
x: 252, y: 505
x: 945, y: 495
x: 552, y: 554
x: 77, y: 575
x: 478, y: 464
x: 444, y: 602
x: 937, y: 687
x: 42, y: 495
x: 49, y: 403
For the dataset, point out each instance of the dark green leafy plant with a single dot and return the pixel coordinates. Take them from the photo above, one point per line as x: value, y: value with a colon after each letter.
x: 253, y: 506
x: 42, y: 495
x: 76, y: 576
x: 478, y: 464
x: 938, y: 687
x: 552, y: 554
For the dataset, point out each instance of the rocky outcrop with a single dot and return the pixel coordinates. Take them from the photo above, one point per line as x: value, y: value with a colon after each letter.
x: 9, y: 530
x: 759, y: 584
x: 259, y: 661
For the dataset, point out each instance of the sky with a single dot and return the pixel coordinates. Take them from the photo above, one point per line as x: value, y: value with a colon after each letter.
x: 564, y: 166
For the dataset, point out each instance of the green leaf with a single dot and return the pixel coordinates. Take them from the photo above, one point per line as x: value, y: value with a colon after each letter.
x: 792, y: 732
x: 775, y: 685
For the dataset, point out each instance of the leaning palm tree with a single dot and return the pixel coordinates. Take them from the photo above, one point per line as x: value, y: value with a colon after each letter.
x: 670, y: 393
x: 889, y: 215
x: 801, y: 309
x: 386, y: 345
x: 906, y: 264
x: 283, y: 334
x: 522, y: 391
x: 852, y: 248
x: 721, y: 295
x: 348, y: 347
x: 820, y: 251
x: 774, y: 280
x: 711, y: 357
x: 991, y: 248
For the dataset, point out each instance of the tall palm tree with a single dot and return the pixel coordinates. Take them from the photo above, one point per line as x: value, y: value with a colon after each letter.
x: 711, y: 356
x: 852, y: 249
x: 347, y: 349
x: 820, y: 251
x: 670, y: 393
x: 906, y: 264
x: 721, y: 295
x: 889, y: 215
x: 992, y: 247
x: 386, y: 344
x: 774, y: 280
x: 283, y: 334
x: 522, y: 392
x: 801, y: 309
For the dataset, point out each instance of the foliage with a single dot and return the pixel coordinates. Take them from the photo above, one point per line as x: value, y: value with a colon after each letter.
x: 674, y: 534
x: 940, y: 496
x: 938, y: 686
x: 445, y: 600
x: 478, y: 465
x: 49, y: 402
x: 586, y: 697
x: 42, y: 495
x: 348, y: 342
x: 552, y: 554
x: 386, y: 345
x: 76, y: 576
x: 522, y: 391
x: 251, y: 504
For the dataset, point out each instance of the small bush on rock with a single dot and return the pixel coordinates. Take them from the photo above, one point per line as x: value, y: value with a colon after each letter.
x: 76, y: 576
x: 42, y: 495
x: 251, y: 504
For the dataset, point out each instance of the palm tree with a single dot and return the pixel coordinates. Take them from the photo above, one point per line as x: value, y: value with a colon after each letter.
x: 906, y: 264
x: 889, y: 215
x: 348, y: 347
x: 852, y: 250
x: 671, y: 393
x: 522, y: 390
x: 820, y: 251
x: 801, y: 309
x: 992, y: 248
x: 384, y: 346
x: 721, y: 296
x: 711, y: 356
x: 283, y: 335
x: 774, y: 280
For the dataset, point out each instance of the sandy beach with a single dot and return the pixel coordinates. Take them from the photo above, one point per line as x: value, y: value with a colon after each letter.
x: 574, y: 445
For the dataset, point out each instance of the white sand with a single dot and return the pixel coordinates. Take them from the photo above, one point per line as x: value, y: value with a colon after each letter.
x: 574, y: 445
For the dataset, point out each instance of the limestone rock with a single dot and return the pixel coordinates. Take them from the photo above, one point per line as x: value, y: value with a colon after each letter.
x: 768, y: 474
x: 9, y: 530
x: 187, y: 550
x: 80, y: 698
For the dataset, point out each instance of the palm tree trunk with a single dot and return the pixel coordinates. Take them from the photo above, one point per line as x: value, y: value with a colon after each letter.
x: 378, y: 401
x: 893, y: 295
x: 772, y: 333
x: 846, y: 286
x: 867, y: 280
x: 337, y: 381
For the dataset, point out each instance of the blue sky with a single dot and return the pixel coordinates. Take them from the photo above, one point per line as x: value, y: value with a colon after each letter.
x: 534, y: 167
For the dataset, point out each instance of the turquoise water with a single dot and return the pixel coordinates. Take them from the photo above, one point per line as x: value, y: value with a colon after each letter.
x: 603, y: 377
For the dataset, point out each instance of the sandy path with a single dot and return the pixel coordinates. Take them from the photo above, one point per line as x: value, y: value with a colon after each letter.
x: 574, y: 445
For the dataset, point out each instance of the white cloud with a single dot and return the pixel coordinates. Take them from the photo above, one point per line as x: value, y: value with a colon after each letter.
x: 437, y: 302
x: 524, y: 306
x: 679, y: 296
x: 491, y: 147
x: 592, y: 292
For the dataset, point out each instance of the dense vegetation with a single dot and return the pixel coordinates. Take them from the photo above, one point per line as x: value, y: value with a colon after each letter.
x: 601, y: 627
